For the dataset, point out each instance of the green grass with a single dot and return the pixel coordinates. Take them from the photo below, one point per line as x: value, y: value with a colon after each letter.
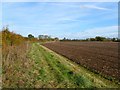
x: 52, y: 70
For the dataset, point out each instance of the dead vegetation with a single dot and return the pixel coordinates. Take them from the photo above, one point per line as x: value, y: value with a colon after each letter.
x: 16, y: 66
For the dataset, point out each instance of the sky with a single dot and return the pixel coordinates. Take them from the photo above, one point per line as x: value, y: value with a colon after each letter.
x: 73, y: 20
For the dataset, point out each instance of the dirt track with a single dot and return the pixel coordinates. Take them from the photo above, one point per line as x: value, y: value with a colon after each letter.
x: 98, y: 56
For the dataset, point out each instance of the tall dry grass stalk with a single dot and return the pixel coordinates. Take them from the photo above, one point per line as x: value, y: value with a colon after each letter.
x: 16, y: 66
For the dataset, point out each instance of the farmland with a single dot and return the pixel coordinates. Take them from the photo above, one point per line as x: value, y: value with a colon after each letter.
x: 99, y: 57
x: 43, y: 68
x: 27, y: 63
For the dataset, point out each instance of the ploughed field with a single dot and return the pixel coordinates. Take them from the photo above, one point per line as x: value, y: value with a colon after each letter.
x: 101, y: 57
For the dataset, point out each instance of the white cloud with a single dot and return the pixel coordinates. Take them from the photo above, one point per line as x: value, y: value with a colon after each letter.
x: 82, y: 6
x: 70, y: 18
x: 109, y: 31
x: 94, y: 7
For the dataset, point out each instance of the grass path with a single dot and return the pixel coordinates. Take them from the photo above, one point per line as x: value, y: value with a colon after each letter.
x: 55, y: 71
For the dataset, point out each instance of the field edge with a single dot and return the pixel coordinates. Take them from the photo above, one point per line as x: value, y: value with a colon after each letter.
x: 89, y: 74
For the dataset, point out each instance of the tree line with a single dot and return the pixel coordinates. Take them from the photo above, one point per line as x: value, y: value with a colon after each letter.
x: 10, y: 38
x: 97, y: 38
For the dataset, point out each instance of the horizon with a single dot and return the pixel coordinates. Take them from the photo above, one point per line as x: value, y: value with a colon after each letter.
x: 73, y: 20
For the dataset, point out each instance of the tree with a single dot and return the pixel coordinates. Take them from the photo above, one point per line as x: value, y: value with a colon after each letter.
x: 98, y: 38
x: 92, y: 39
x: 113, y: 39
x: 56, y: 39
x: 30, y: 36
x: 10, y: 38
x: 64, y: 38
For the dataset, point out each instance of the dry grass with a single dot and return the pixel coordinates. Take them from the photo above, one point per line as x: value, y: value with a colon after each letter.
x: 16, y: 66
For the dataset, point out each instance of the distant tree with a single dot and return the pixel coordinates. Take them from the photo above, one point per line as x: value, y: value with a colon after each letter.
x: 30, y: 36
x: 87, y: 39
x: 64, y: 38
x: 56, y: 38
x: 92, y: 39
x: 98, y: 38
x: 113, y: 39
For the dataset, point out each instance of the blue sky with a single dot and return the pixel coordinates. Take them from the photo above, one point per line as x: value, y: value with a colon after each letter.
x: 62, y: 19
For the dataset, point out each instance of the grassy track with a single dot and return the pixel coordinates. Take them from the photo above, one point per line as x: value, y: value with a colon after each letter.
x: 55, y: 71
